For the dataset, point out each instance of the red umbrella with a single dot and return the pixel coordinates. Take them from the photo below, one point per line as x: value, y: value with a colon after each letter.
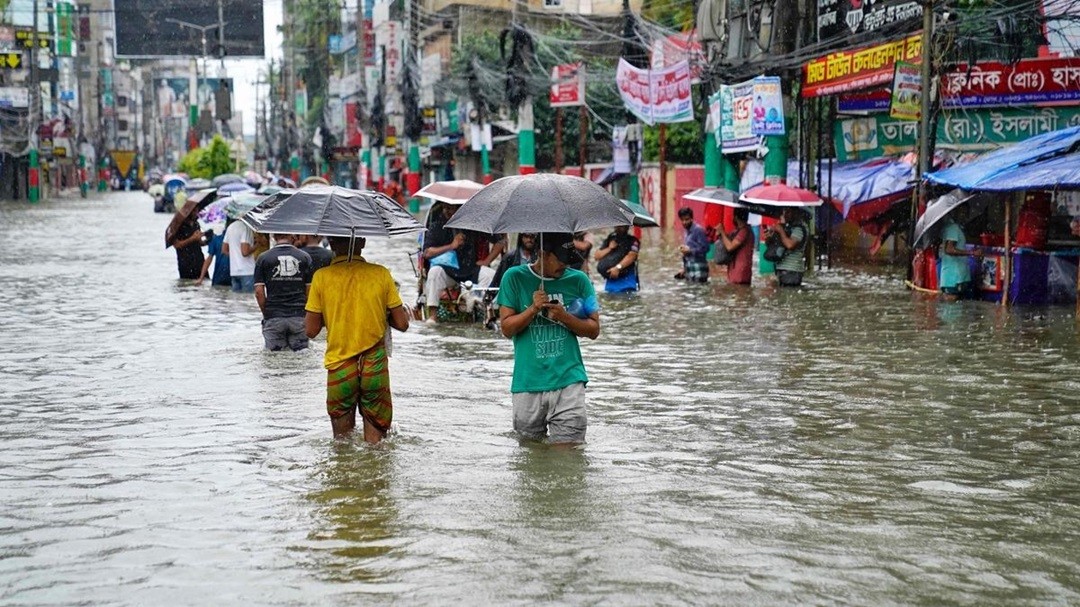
x: 781, y: 195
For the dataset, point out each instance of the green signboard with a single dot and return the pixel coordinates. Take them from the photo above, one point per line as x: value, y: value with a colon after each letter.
x: 970, y: 131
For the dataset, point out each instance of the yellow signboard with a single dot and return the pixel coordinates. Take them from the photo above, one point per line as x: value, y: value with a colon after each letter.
x: 123, y: 160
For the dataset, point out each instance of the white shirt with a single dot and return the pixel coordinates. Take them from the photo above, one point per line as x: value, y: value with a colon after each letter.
x: 237, y: 235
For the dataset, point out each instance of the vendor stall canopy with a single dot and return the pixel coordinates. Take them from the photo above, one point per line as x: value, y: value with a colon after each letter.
x: 1044, y: 162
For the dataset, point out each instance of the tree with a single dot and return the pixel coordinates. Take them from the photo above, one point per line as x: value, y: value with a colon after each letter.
x: 208, y: 162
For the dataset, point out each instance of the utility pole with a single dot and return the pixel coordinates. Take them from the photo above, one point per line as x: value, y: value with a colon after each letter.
x: 925, y: 77
x: 202, y: 29
x: 34, y: 175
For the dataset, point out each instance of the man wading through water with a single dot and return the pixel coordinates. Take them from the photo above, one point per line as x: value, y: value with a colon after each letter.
x: 355, y: 301
x: 545, y: 306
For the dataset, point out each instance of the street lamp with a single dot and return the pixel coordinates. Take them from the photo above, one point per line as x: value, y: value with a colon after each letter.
x: 202, y: 29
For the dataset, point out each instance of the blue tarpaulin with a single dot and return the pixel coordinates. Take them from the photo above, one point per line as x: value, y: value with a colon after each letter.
x: 1004, y: 166
x: 1062, y: 172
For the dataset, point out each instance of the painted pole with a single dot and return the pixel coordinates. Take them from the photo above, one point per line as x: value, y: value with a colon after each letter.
x: 412, y: 180
x: 103, y: 176
x: 775, y: 172
x: 294, y: 166
x: 34, y: 178
x: 526, y: 139
x: 485, y: 162
x: 83, y: 186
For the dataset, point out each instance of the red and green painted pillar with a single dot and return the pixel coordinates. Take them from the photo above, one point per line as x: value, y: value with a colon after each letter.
x: 83, y: 186
x: 364, y: 178
x: 526, y: 139
x: 412, y: 178
x: 294, y: 169
x: 34, y: 178
x: 775, y: 172
x: 485, y: 162
x: 103, y: 176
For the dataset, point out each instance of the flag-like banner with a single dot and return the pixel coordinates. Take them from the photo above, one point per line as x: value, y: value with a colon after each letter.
x: 567, y: 85
x: 736, y: 118
x: 656, y: 96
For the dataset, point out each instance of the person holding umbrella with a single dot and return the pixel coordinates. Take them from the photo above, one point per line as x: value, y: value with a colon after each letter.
x: 545, y: 307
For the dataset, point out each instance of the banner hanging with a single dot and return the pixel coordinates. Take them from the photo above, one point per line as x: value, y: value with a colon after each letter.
x: 768, y: 115
x: 656, y: 96
x: 906, y: 101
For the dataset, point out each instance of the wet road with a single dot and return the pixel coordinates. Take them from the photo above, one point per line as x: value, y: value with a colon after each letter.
x: 843, y: 444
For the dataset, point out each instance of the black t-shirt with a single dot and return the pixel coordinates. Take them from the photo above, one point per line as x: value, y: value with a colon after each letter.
x: 320, y: 257
x: 189, y: 259
x: 439, y: 236
x: 624, y: 243
x: 285, y: 270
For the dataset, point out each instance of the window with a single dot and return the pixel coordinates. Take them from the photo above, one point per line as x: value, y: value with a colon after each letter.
x: 122, y: 125
x: 552, y: 3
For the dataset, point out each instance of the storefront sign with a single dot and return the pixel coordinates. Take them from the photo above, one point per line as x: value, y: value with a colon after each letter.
x: 567, y: 85
x: 862, y: 68
x: 843, y: 18
x: 992, y: 84
x: 1030, y: 81
x: 906, y: 103
x: 962, y: 130
x: 656, y: 96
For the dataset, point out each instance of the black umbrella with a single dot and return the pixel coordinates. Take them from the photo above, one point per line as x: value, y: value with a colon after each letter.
x: 194, y: 203
x: 541, y: 202
x: 937, y: 210
x: 325, y: 210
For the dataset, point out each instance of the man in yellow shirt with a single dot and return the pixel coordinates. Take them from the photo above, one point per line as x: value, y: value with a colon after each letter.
x: 355, y: 301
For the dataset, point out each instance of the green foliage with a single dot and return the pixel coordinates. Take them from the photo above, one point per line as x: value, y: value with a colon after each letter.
x: 209, y: 162
x: 684, y: 143
x: 672, y: 14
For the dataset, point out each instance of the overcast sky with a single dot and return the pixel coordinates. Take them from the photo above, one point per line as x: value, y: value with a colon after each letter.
x: 245, y: 72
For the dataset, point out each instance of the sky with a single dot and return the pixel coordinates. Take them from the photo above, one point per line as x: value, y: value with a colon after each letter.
x: 245, y: 72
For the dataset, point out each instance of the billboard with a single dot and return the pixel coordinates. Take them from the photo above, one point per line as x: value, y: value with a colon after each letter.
x: 152, y: 28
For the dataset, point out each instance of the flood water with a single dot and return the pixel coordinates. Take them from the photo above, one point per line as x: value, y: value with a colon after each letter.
x: 847, y: 443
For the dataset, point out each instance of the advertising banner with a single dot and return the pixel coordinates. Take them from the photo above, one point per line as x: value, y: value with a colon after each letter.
x: 862, y: 68
x: 906, y: 101
x: 567, y: 85
x: 656, y: 96
x: 736, y: 118
x: 1028, y: 82
x: 716, y: 116
x: 633, y: 86
x: 768, y: 111
x: 671, y: 98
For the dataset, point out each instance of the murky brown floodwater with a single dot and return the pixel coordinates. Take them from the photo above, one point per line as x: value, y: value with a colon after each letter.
x: 845, y: 443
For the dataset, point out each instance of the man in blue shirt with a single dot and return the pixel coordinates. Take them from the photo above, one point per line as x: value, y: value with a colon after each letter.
x: 694, y: 250
x: 214, y: 252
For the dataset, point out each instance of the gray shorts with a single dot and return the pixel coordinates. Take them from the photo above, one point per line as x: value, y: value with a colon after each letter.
x: 282, y: 333
x: 558, y: 415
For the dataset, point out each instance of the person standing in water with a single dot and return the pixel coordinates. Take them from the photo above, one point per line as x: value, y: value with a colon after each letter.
x: 545, y: 307
x: 355, y: 301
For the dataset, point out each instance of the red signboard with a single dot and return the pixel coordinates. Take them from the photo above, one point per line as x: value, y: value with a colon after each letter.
x: 866, y: 67
x: 1042, y: 82
x: 567, y: 85
x: 1030, y: 81
x: 353, y: 135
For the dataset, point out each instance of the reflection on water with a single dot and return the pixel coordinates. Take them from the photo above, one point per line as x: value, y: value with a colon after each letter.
x: 846, y: 442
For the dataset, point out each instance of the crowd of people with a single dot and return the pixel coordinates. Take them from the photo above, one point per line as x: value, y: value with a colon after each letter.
x: 545, y: 302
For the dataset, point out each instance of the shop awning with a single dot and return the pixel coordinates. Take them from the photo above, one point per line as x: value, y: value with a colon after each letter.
x: 1010, y: 165
x: 1060, y: 173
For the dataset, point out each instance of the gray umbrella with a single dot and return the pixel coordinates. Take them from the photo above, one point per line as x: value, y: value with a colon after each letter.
x: 221, y: 180
x: 937, y: 210
x: 541, y: 202
x: 325, y: 210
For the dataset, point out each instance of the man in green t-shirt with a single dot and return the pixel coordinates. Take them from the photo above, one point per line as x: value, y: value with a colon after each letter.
x: 545, y: 306
x: 793, y: 235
